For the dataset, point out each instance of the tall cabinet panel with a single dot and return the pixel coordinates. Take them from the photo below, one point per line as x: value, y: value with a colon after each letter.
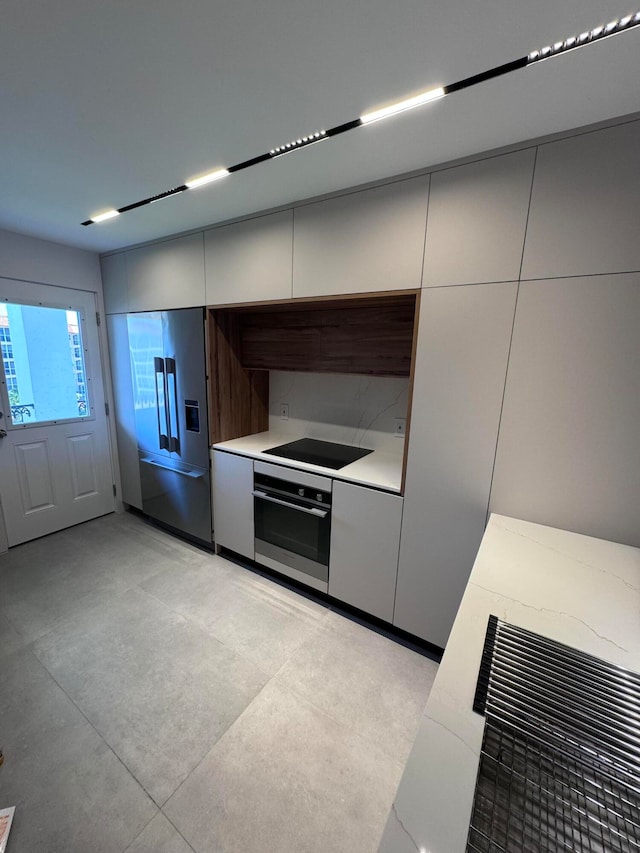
x: 167, y: 275
x: 124, y: 409
x: 370, y: 240
x: 461, y: 363
x: 569, y: 454
x: 249, y: 261
x: 477, y: 219
x: 584, y: 205
x: 114, y: 283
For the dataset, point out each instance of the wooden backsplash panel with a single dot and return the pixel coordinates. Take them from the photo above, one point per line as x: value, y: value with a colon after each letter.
x: 280, y: 341
x: 374, y: 339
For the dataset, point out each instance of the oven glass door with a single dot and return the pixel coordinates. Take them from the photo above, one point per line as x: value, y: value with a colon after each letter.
x: 294, y: 530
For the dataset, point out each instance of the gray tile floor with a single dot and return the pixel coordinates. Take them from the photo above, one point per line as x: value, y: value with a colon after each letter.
x: 158, y: 699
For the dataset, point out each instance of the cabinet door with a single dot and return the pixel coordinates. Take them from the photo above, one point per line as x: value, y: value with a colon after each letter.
x: 568, y: 449
x: 167, y: 275
x: 477, y: 220
x: 124, y: 410
x: 584, y: 205
x: 249, y: 261
x: 114, y: 283
x: 461, y: 363
x: 233, y: 502
x: 365, y: 537
x: 365, y: 241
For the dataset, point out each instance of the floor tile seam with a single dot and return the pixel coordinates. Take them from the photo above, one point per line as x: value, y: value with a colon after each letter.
x: 6, y: 616
x: 213, y: 746
x: 129, y: 846
x: 313, y: 630
x: 190, y: 620
x: 60, y: 623
x: 347, y: 726
x: 98, y: 732
x: 206, y: 627
x: 166, y: 817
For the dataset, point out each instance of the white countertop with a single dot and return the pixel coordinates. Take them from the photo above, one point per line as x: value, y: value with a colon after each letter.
x: 379, y: 469
x: 580, y: 591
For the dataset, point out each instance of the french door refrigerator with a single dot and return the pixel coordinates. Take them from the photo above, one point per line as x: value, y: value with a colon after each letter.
x: 167, y: 354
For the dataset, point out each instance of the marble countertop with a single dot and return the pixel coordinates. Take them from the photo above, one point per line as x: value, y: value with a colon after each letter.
x: 379, y: 469
x: 581, y: 591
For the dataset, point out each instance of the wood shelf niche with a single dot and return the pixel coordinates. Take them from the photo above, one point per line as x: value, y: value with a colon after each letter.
x: 369, y: 334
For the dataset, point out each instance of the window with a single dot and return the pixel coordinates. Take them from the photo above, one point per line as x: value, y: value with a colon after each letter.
x: 43, y: 361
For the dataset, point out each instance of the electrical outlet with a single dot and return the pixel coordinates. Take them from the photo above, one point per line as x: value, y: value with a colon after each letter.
x: 284, y: 411
x: 400, y: 426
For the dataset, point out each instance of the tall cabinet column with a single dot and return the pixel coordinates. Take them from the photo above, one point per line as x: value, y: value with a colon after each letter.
x: 459, y: 379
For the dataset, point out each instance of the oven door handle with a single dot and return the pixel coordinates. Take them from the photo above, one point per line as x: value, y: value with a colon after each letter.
x: 263, y: 496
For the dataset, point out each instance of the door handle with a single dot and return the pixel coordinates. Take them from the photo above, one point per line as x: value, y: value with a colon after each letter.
x: 158, y: 364
x: 174, y: 440
x: 263, y: 496
x: 194, y: 475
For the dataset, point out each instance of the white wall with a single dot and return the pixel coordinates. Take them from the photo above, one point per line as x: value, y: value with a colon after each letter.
x: 29, y: 259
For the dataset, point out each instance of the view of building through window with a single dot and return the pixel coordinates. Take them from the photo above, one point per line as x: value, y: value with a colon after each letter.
x: 43, y: 359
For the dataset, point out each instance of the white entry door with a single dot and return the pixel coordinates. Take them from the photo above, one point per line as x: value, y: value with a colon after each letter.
x: 55, y: 458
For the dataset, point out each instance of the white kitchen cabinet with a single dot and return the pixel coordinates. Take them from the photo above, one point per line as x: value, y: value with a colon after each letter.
x: 584, y: 205
x: 365, y: 241
x: 459, y: 380
x: 365, y: 538
x: 167, y: 275
x: 249, y: 261
x: 124, y: 412
x: 568, y: 449
x: 114, y: 283
x: 233, y: 502
x: 477, y: 220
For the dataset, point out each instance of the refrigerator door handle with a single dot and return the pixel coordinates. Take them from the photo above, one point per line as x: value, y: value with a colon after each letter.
x: 173, y: 421
x: 158, y: 364
x: 193, y: 475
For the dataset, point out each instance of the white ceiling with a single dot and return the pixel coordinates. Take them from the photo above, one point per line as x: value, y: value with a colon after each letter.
x: 105, y: 103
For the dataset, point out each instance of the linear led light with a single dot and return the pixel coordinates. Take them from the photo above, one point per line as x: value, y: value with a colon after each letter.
x: 298, y: 143
x: 102, y: 217
x: 194, y: 183
x: 597, y: 33
x: 401, y: 106
x: 602, y: 31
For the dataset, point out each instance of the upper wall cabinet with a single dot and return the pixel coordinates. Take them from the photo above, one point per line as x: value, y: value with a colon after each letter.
x: 365, y: 241
x: 114, y: 283
x: 249, y: 261
x: 584, y: 206
x: 477, y: 220
x: 167, y: 275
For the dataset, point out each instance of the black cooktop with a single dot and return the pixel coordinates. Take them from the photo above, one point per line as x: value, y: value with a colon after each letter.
x: 325, y: 453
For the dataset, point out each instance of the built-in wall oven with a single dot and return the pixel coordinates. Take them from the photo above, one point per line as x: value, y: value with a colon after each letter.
x: 292, y: 517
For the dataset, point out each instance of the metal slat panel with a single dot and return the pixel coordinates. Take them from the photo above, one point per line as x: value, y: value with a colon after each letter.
x: 560, y: 762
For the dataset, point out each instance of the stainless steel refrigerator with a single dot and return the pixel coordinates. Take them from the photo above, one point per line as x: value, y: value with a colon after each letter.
x: 167, y: 354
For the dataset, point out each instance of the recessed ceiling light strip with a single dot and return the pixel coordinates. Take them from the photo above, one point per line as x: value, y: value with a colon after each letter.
x: 614, y: 27
x: 588, y: 37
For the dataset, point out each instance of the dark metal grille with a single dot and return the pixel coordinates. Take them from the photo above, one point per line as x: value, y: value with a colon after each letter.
x: 560, y: 762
